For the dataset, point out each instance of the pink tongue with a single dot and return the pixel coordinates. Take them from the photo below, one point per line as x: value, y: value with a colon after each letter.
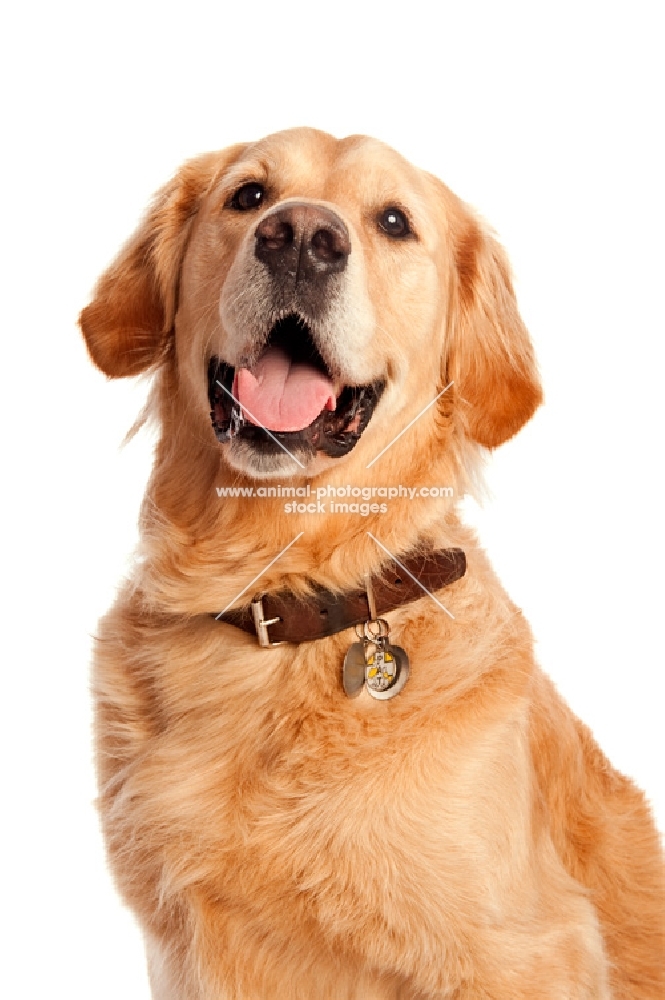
x: 282, y: 395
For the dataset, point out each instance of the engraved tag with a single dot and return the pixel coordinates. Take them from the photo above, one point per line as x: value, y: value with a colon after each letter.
x: 380, y: 669
x: 375, y: 663
x: 386, y: 671
x: 353, y: 675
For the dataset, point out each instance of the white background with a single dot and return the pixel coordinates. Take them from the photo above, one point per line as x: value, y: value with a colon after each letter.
x: 545, y: 117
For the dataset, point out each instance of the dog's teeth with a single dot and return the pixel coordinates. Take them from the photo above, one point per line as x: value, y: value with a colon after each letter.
x: 237, y: 420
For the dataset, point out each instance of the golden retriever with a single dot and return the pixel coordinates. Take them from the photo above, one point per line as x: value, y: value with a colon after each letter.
x: 281, y: 827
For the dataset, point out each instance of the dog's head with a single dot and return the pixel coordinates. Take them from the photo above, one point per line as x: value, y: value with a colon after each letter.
x: 313, y: 295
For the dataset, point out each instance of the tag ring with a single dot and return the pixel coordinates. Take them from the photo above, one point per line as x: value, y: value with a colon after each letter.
x: 376, y: 637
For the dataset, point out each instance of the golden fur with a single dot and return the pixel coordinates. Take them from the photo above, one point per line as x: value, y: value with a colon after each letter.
x: 466, y: 839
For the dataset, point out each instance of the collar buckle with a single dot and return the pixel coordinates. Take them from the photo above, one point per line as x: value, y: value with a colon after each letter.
x: 261, y: 624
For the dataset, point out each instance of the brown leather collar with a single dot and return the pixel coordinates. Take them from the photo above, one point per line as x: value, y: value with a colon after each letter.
x: 285, y: 617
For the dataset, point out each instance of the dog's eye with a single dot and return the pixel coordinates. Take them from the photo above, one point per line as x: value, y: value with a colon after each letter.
x: 394, y: 222
x: 248, y: 196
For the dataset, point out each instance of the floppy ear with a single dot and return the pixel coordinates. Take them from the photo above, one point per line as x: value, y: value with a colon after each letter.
x: 490, y: 356
x: 127, y: 325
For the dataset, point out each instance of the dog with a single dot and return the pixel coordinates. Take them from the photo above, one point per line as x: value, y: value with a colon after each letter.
x: 329, y: 766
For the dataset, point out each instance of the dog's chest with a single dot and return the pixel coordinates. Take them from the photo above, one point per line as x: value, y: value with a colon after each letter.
x: 326, y: 805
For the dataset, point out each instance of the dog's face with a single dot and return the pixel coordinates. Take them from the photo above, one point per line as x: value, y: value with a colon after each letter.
x: 325, y: 260
x: 313, y: 293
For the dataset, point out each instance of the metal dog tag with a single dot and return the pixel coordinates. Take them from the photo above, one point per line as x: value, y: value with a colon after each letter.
x: 353, y: 674
x: 386, y: 671
x: 375, y: 663
x: 380, y: 670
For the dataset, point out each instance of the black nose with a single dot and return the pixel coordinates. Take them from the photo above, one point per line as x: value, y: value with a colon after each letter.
x: 303, y: 240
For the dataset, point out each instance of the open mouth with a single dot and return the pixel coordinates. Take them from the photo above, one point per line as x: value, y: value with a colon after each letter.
x: 288, y: 396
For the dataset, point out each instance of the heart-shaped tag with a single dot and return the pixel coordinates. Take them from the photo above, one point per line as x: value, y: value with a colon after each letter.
x: 381, y: 667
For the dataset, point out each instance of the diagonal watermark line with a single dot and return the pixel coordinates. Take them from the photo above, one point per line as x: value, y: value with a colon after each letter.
x: 415, y: 579
x: 405, y: 429
x: 258, y: 423
x: 264, y: 570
